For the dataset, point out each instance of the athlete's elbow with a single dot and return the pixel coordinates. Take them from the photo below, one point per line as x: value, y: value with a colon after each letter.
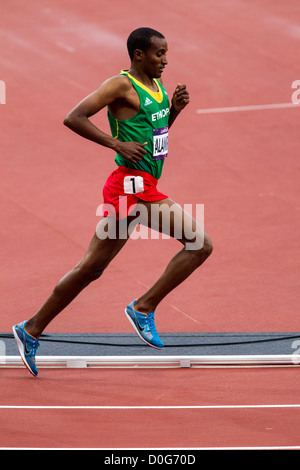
x: 69, y: 120
x: 74, y: 120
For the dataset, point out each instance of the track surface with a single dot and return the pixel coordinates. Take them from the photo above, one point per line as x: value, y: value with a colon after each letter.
x: 242, y: 165
x: 262, y: 424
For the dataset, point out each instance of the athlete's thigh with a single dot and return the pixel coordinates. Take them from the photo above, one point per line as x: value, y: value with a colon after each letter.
x: 168, y: 217
x: 109, y: 238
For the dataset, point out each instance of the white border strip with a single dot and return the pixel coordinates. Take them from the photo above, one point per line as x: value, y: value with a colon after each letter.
x: 141, y: 449
x: 142, y: 407
x: 258, y: 107
x: 154, y: 361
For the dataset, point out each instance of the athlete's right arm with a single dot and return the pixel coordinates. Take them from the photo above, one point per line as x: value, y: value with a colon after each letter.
x: 77, y: 120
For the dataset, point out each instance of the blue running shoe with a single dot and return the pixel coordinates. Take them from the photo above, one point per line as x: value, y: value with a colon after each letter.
x: 27, y: 346
x: 144, y: 326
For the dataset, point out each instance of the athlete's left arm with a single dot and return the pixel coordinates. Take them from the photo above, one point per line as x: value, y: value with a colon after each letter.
x: 180, y: 100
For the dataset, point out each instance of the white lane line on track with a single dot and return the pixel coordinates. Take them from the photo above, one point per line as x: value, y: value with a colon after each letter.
x: 143, y: 407
x: 247, y: 108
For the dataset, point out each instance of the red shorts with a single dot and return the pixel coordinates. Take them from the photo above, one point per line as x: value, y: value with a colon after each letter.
x: 123, y: 189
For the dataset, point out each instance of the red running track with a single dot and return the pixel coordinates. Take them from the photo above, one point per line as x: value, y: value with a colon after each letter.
x: 229, y: 408
x: 242, y: 165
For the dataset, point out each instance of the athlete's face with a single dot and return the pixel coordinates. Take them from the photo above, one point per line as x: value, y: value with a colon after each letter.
x: 155, y: 58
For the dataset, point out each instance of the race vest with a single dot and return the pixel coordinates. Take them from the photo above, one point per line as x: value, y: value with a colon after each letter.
x: 149, y: 124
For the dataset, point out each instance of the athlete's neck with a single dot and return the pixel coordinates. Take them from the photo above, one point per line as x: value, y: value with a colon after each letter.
x: 143, y: 78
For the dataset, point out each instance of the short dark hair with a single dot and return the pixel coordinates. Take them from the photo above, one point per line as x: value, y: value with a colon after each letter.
x: 141, y: 39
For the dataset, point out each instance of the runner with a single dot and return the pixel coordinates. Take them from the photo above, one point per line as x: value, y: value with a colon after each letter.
x: 140, y: 117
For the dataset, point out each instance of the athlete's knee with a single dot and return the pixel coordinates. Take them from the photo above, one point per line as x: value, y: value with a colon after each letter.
x: 200, y: 243
x: 92, y: 274
x: 200, y: 250
x: 207, y: 246
x: 89, y: 271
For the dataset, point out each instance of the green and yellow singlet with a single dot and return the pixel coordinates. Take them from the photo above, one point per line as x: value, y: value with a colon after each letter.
x: 150, y: 124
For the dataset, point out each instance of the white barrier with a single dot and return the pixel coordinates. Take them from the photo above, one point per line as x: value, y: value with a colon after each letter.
x: 154, y: 361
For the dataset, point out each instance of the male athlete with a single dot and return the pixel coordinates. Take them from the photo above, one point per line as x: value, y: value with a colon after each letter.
x: 140, y: 117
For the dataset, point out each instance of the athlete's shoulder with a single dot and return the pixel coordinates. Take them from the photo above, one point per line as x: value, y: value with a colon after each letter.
x: 120, y: 82
x: 114, y: 88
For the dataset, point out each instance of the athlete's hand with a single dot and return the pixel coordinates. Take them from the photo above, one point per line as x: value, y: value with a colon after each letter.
x: 180, y: 98
x: 131, y: 151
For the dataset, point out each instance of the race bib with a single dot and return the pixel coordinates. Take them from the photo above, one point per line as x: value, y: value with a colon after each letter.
x: 133, y: 184
x: 160, y: 143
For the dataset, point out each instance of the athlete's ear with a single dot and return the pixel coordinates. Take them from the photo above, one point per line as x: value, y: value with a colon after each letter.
x: 139, y: 55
